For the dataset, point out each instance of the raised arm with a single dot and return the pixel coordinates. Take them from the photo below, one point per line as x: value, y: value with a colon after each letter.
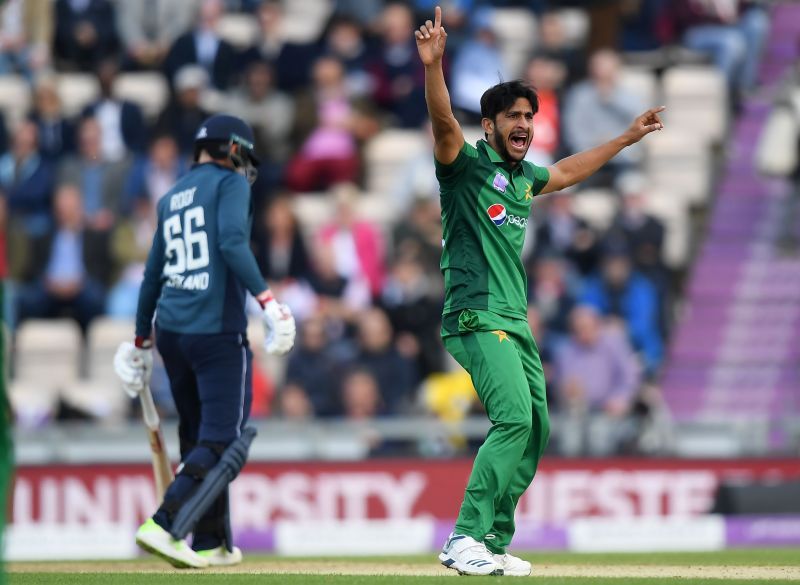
x: 447, y: 136
x: 580, y: 166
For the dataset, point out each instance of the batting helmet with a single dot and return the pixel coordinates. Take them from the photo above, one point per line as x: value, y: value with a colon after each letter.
x: 226, y: 136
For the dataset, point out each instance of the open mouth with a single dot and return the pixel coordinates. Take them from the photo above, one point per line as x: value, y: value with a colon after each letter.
x: 518, y: 140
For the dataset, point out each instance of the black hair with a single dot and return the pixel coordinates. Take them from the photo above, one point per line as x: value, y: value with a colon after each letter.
x: 216, y: 149
x: 502, y: 96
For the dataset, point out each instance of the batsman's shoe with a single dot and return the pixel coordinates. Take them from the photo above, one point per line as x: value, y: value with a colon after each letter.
x: 154, y: 539
x: 468, y: 556
x: 221, y: 556
x: 513, y: 566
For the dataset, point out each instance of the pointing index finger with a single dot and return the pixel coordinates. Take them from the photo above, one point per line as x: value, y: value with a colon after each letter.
x: 437, y: 17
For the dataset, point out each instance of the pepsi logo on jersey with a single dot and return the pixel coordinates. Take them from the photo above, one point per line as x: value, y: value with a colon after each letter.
x: 499, y: 216
x: 497, y: 213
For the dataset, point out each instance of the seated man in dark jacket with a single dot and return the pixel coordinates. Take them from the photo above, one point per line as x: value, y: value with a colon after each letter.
x: 68, y: 269
x: 121, y: 121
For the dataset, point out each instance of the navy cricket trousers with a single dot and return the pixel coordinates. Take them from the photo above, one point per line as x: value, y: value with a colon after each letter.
x: 211, y: 380
x: 210, y: 377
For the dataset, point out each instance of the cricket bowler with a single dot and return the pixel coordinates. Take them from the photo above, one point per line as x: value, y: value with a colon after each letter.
x: 197, y: 274
x: 486, y: 193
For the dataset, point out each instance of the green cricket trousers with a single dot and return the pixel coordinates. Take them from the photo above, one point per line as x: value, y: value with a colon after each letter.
x: 501, y: 356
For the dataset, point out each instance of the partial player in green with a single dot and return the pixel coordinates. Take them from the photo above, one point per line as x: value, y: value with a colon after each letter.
x: 486, y: 194
x: 6, y: 446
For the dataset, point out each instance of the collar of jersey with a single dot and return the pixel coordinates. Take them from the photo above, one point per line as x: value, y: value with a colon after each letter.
x: 498, y: 160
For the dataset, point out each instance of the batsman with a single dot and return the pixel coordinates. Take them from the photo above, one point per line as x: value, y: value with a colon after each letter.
x: 486, y: 193
x: 198, y: 272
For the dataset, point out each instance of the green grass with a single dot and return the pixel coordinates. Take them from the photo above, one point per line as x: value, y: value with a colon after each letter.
x: 133, y: 579
x: 775, y: 557
x: 125, y: 572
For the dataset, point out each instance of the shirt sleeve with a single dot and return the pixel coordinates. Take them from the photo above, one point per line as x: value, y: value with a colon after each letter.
x: 151, y: 285
x: 541, y: 176
x: 449, y: 175
x: 233, y: 229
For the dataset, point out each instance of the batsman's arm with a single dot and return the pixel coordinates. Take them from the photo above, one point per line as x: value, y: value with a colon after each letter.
x: 151, y: 286
x: 233, y: 227
x: 447, y: 134
x: 578, y: 167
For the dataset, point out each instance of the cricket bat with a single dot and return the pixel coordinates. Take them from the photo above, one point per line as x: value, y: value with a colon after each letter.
x: 162, y: 470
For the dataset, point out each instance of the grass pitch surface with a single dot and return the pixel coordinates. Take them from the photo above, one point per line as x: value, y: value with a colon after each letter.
x: 747, y: 567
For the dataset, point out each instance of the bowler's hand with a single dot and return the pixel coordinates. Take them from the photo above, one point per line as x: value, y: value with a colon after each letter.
x: 431, y: 38
x: 648, y: 122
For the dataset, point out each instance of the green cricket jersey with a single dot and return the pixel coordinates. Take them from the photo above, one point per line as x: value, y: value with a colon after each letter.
x: 485, y: 209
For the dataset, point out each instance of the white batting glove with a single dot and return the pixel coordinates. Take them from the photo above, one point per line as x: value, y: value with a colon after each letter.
x: 278, y: 324
x: 133, y: 365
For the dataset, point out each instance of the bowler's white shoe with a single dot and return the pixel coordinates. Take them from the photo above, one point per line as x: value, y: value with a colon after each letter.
x: 154, y: 539
x: 513, y: 566
x: 221, y: 556
x: 468, y: 556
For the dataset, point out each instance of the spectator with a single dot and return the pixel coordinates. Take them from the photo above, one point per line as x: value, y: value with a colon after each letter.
x: 356, y: 243
x: 643, y: 234
x: 130, y: 245
x: 554, y: 43
x: 291, y: 61
x: 398, y: 75
x: 598, y: 109
x: 327, y: 131
x: 561, y: 233
x: 346, y: 40
x: 100, y: 181
x: 366, y: 12
x: 3, y: 133
x: 361, y: 397
x: 27, y: 180
x: 68, y: 267
x: 184, y: 112
x: 417, y: 178
x: 597, y: 374
x: 279, y: 247
x: 338, y: 300
x: 4, y: 237
x: 550, y: 293
x: 477, y: 66
x: 26, y: 31
x: 154, y: 175
x: 395, y: 374
x: 122, y: 127
x: 419, y: 234
x: 313, y: 370
x: 269, y: 111
x: 731, y: 32
x: 85, y: 33
x: 620, y: 291
x: 148, y: 29
x: 56, y: 131
x: 547, y: 76
x: 413, y: 302
x: 640, y: 25
x: 294, y: 404
x: 203, y: 46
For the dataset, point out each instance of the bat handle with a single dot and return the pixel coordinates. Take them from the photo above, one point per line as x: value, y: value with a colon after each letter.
x: 149, y: 412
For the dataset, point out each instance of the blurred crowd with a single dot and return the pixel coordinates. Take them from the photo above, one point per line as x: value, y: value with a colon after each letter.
x: 77, y: 194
